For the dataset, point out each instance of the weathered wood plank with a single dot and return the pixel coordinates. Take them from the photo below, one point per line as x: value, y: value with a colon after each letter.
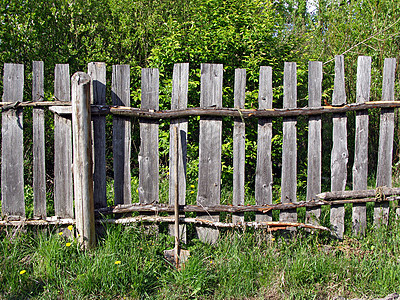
x: 386, y: 136
x: 289, y: 143
x: 180, y: 80
x: 82, y: 157
x: 63, y: 187
x: 360, y: 167
x: 120, y: 94
x: 12, y: 155
x: 314, y: 140
x: 39, y: 153
x: 264, y: 181
x: 339, y: 155
x: 97, y: 72
x: 239, y: 139
x: 210, y: 141
x: 148, y: 156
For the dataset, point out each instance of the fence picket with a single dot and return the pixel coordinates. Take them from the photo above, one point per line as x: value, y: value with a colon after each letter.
x: 180, y: 80
x: 263, y: 187
x: 339, y: 156
x: 12, y: 155
x: 360, y: 167
x: 148, y: 157
x: 314, y: 140
x: 386, y: 136
x: 97, y: 72
x: 63, y: 187
x: 120, y: 94
x: 210, y: 143
x: 39, y: 154
x: 289, y: 143
x: 239, y: 139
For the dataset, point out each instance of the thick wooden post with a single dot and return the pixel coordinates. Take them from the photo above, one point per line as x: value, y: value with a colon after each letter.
x: 386, y: 136
x: 239, y: 139
x: 82, y: 159
x: 360, y: 167
x: 289, y: 143
x: 12, y: 155
x: 314, y: 140
x: 339, y: 156
x: 264, y: 181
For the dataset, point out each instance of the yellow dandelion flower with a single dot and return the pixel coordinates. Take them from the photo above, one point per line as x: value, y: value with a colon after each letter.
x: 272, y: 239
x: 61, y: 233
x: 70, y: 227
x: 192, y: 192
x: 137, y: 191
x: 22, y: 272
x: 192, y: 186
x: 68, y: 244
x: 118, y: 262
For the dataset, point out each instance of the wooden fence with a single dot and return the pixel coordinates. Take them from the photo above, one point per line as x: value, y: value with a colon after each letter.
x: 73, y: 143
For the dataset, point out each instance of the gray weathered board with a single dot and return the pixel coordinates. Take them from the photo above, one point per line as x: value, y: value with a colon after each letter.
x: 210, y: 142
x: 120, y: 94
x: 263, y: 187
x: 97, y: 73
x: 39, y: 153
x: 239, y: 136
x: 360, y: 166
x: 314, y: 140
x: 289, y: 143
x: 12, y: 155
x: 339, y: 155
x: 177, y: 182
x: 63, y: 187
x: 148, y: 156
x: 82, y: 157
x: 386, y: 136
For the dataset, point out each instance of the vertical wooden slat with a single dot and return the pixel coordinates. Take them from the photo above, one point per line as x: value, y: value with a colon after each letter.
x: 12, y: 156
x: 210, y: 141
x: 263, y: 185
x: 39, y: 154
x: 360, y: 167
x: 239, y: 136
x: 289, y: 143
x: 177, y: 182
x: 314, y: 140
x: 63, y: 188
x: 82, y: 157
x: 120, y: 94
x: 339, y: 156
x: 148, y: 156
x: 386, y: 136
x: 97, y: 72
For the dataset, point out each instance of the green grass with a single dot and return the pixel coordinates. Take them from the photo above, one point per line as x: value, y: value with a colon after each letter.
x: 241, y: 265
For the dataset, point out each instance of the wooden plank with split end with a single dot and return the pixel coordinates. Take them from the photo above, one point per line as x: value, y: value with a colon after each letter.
x: 12, y: 154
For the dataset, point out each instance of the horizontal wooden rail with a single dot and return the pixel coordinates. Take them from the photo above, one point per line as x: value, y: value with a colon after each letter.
x: 227, y: 112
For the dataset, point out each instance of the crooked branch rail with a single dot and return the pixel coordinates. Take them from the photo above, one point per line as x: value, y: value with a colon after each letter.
x: 210, y: 112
